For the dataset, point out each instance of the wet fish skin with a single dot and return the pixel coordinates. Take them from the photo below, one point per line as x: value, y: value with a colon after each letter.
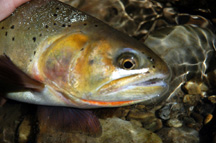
x: 188, y: 51
x: 34, y: 22
x: 78, y: 58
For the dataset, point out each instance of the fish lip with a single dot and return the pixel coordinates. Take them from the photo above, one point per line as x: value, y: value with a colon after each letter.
x: 155, y: 80
x: 151, y: 82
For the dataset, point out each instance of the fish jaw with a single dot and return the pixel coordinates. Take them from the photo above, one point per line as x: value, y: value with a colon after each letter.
x: 147, y: 90
x: 129, y: 90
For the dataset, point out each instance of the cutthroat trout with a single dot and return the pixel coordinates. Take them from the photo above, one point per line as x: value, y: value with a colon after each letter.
x: 53, y: 54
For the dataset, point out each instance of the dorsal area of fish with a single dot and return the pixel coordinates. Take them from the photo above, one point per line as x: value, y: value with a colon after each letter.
x: 32, y: 23
x: 188, y: 51
x: 81, y: 61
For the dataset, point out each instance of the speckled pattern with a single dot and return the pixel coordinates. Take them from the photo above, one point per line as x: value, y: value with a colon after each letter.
x: 14, y: 31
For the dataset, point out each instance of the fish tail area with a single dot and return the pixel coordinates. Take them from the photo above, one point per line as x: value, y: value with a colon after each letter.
x: 14, y: 79
x: 69, y: 120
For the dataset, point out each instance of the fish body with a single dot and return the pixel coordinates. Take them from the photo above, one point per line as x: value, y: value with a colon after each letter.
x: 80, y: 61
x: 187, y: 50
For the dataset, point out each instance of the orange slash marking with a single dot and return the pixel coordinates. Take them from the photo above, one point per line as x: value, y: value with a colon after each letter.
x: 114, y: 103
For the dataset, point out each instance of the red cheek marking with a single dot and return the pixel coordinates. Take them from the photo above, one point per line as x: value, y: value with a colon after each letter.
x: 37, y: 76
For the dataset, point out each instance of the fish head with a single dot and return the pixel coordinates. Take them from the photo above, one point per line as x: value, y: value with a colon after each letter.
x: 98, y: 70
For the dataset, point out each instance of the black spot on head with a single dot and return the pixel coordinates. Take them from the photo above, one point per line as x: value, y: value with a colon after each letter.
x: 55, y: 14
x: 12, y: 27
x: 2, y: 27
x: 13, y: 39
x: 63, y: 25
x: 153, y: 66
x: 34, y: 52
x: 150, y: 59
x: 46, y: 26
x: 82, y: 49
x: 85, y: 24
x: 96, y: 25
x: 34, y: 39
x: 6, y: 33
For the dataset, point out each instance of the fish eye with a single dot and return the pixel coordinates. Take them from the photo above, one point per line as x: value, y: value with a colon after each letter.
x: 127, y: 62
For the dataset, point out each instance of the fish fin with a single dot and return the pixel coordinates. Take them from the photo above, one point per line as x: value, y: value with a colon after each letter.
x: 2, y: 101
x: 68, y: 120
x: 14, y: 79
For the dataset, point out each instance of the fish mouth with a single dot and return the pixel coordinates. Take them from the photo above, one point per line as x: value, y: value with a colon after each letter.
x: 123, y: 91
x: 135, y: 88
x: 139, y: 81
x: 128, y: 94
x: 150, y: 82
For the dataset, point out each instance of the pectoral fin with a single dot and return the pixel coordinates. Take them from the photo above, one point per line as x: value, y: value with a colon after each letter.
x: 14, y: 79
x: 54, y: 119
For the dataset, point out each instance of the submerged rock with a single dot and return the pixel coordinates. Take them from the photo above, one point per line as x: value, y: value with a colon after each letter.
x: 191, y: 100
x: 24, y: 130
x: 212, y: 99
x: 140, y: 116
x: 208, y: 118
x: 174, y: 123
x: 179, y: 135
x: 9, y: 120
x: 195, y: 88
x: 115, y: 130
x: 120, y: 131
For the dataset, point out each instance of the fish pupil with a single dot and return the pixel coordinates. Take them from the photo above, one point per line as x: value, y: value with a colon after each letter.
x: 128, y: 65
